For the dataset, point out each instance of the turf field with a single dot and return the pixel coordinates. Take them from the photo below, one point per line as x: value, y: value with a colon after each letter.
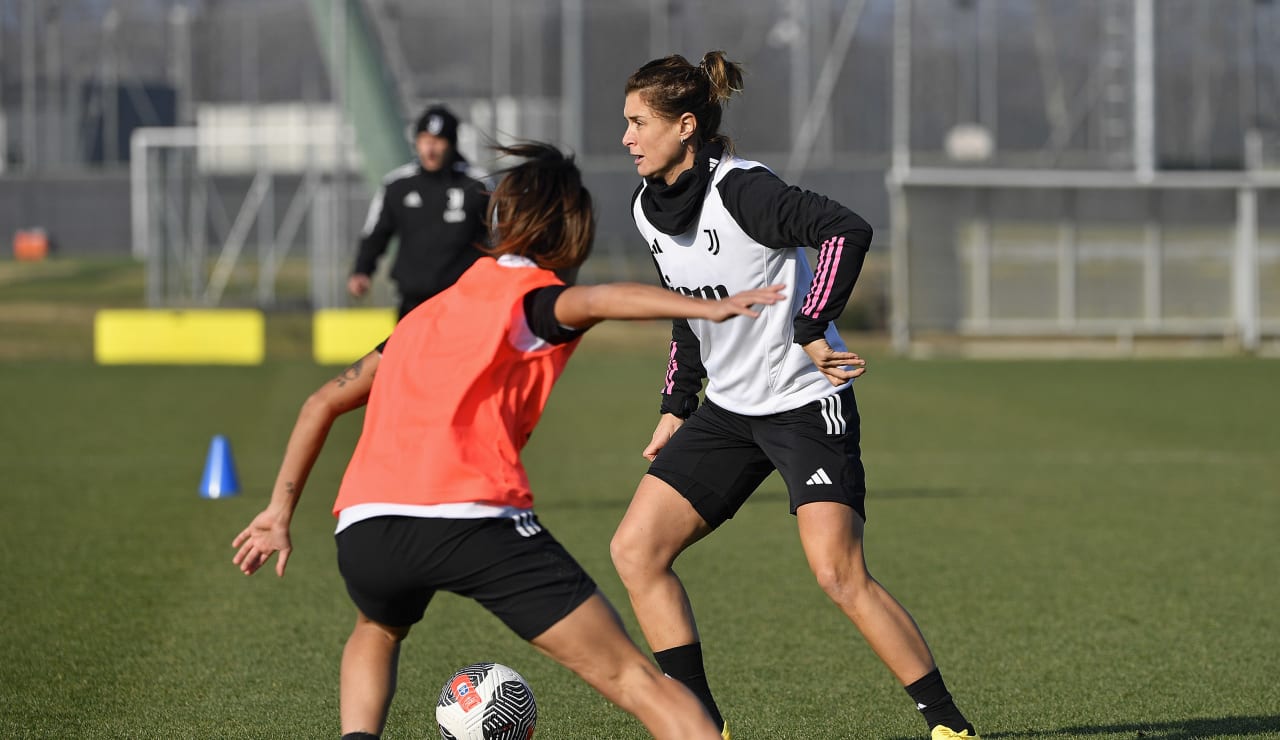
x: 1089, y: 546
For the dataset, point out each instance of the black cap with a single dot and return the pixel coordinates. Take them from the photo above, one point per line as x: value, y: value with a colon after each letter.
x: 438, y: 121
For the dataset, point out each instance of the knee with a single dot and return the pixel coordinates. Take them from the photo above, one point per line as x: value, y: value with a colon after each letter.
x: 635, y: 557
x: 841, y: 581
x: 624, y: 551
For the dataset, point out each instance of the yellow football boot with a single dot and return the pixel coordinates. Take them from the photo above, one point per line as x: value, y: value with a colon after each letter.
x: 942, y: 732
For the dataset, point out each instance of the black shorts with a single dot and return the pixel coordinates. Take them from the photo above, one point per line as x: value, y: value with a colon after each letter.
x: 393, y: 565
x: 718, y: 458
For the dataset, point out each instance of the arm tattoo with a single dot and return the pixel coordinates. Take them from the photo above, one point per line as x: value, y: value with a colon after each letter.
x: 349, y: 374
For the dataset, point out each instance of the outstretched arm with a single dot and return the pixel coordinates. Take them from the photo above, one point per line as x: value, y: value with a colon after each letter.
x: 268, y: 533
x: 583, y: 306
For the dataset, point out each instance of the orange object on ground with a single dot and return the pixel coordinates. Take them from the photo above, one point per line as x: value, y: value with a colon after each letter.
x: 30, y: 245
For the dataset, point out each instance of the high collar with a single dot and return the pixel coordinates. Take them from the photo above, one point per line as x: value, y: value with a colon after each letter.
x: 672, y: 209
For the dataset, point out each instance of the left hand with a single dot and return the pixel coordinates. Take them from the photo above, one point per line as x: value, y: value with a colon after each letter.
x: 839, y: 367
x: 740, y: 304
x: 266, y: 535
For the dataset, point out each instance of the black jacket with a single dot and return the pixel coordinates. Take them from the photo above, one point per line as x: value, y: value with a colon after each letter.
x: 439, y: 218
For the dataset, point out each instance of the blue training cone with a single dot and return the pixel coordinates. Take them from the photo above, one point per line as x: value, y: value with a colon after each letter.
x: 219, y: 479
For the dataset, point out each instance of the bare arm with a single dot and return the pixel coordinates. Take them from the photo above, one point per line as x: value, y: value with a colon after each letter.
x: 583, y: 306
x: 268, y: 533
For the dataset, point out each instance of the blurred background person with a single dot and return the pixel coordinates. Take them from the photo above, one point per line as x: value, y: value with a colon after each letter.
x: 435, y: 206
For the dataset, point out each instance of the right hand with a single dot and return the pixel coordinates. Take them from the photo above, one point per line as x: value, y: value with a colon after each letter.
x: 739, y: 304
x: 358, y: 284
x: 265, y: 536
x: 667, y: 426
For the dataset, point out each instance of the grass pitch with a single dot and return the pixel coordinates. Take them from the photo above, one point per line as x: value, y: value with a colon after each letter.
x: 1089, y: 547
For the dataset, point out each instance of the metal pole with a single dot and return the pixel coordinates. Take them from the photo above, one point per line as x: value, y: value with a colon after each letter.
x: 571, y: 74
x: 56, y: 121
x: 1152, y: 261
x: 1245, y: 269
x: 801, y: 43
x: 30, y: 142
x: 500, y: 61
x: 817, y: 107
x: 249, y: 56
x: 899, y: 220
x: 1144, y: 89
x: 110, y: 89
x: 989, y: 66
x: 180, y: 62
x: 980, y: 267
x: 901, y: 124
x: 1068, y: 246
x: 139, y: 193
x: 329, y: 295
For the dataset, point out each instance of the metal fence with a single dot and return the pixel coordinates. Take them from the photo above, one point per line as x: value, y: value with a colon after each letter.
x: 838, y: 94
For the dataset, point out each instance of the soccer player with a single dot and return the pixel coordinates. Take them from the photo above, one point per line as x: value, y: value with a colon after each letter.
x: 779, y: 392
x: 435, y: 496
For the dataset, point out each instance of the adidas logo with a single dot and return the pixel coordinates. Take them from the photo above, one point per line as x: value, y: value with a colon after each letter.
x: 819, y: 478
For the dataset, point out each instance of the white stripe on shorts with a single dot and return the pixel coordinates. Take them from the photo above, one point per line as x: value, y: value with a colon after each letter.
x: 831, y: 413
x: 527, y: 525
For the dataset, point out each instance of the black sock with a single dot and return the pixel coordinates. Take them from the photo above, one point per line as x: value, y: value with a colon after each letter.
x: 359, y: 736
x: 934, y: 702
x: 684, y: 664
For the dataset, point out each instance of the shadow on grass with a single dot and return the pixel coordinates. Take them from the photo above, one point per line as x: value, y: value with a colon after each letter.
x: 1187, y: 729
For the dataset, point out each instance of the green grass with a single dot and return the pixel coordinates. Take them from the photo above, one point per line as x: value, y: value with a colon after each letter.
x: 1088, y: 546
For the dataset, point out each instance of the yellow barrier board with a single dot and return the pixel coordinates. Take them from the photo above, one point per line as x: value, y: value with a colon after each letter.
x: 179, y: 337
x: 340, y: 336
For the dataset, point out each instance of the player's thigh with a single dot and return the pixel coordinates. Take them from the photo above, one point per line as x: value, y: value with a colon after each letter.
x: 591, y: 642
x: 658, y: 525
x: 831, y: 536
x: 714, y: 462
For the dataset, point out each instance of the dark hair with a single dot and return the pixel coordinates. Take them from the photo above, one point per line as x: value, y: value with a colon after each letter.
x: 672, y: 86
x: 540, y: 209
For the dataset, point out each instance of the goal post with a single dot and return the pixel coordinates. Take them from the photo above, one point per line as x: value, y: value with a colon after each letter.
x: 1054, y: 253
x: 245, y: 215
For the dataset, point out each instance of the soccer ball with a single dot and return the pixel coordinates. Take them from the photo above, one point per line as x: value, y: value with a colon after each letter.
x: 486, y: 701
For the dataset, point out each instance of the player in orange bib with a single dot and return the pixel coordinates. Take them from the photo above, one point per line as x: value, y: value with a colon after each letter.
x: 435, y: 496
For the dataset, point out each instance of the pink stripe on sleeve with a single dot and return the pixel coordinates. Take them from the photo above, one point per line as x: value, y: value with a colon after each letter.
x: 671, y: 372
x: 815, y: 286
x: 828, y: 263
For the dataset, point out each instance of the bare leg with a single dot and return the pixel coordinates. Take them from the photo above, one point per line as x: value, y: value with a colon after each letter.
x: 831, y: 534
x: 368, y: 681
x: 658, y: 526
x: 592, y: 643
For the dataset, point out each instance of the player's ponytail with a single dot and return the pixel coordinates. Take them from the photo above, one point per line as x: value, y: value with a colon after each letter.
x: 725, y: 76
x: 672, y: 86
x: 540, y: 208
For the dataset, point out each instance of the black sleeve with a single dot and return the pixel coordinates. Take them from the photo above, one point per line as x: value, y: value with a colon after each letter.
x: 379, y: 227
x: 540, y: 314
x: 781, y: 216
x: 685, y: 372
x: 382, y: 346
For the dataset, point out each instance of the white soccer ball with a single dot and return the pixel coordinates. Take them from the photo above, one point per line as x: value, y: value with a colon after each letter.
x: 486, y: 701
